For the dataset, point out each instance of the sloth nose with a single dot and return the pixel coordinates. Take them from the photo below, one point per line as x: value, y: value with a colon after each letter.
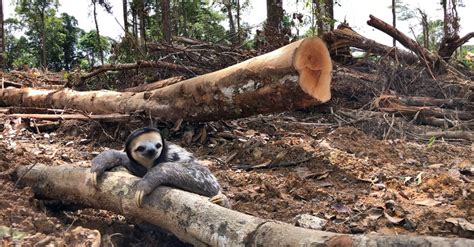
x: 150, y: 153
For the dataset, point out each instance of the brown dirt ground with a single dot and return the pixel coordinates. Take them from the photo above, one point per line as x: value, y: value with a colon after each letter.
x: 337, y: 173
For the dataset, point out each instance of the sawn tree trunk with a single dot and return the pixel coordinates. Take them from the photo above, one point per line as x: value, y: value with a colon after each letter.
x: 295, y: 76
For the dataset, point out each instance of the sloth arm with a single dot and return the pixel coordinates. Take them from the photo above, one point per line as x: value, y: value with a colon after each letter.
x: 188, y: 176
x: 106, y: 161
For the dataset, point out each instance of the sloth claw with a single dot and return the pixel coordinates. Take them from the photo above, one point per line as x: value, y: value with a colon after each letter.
x: 93, y: 178
x: 221, y: 200
x: 139, y: 198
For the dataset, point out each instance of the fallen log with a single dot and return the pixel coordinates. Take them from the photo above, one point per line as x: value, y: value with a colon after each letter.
x: 192, y: 218
x: 394, y: 104
x: 103, y: 118
x: 154, y: 85
x: 292, y: 77
x: 421, y: 52
x: 433, y: 62
x: 143, y: 64
x: 344, y: 36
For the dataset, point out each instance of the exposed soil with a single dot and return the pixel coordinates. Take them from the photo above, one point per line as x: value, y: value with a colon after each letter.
x: 276, y: 167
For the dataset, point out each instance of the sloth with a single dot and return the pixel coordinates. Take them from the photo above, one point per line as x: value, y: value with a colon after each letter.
x: 158, y: 162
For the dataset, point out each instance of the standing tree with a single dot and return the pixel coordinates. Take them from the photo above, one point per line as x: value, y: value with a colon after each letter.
x: 451, y: 40
x: 101, y: 53
x: 273, y: 29
x: 34, y: 13
x: 228, y: 7
x: 89, y: 46
x: 2, y: 36
x: 425, y: 28
x: 108, y: 7
x: 71, y: 34
x: 394, y: 19
x: 140, y: 7
x: 125, y: 16
x: 165, y: 19
x: 324, y: 15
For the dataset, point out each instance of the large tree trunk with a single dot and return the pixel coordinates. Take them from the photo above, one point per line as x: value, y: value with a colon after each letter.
x: 141, y: 16
x: 165, y: 20
x: 228, y: 6
x: 325, y: 15
x: 295, y: 76
x: 274, y: 25
x: 125, y: 16
x: 192, y: 218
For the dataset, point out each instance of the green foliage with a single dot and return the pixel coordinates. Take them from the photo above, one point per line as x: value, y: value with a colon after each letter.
x: 71, y: 36
x: 462, y: 54
x: 198, y: 20
x: 431, y: 141
x: 36, y: 15
x: 88, y: 45
x: 435, y: 34
x: 39, y: 25
x: 18, y: 50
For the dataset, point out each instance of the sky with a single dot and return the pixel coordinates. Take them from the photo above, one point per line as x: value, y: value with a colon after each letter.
x: 356, y: 12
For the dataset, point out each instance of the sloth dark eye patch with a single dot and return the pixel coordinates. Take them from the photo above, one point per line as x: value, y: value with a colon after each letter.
x: 158, y: 145
x: 140, y: 149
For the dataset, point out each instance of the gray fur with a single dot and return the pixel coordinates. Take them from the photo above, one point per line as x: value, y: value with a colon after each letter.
x: 178, y: 168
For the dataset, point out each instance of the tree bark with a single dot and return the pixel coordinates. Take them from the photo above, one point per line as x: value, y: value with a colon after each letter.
x: 451, y: 40
x: 165, y: 20
x: 125, y: 16
x: 154, y: 85
x: 192, y: 218
x: 343, y: 37
x: 422, y: 53
x: 425, y: 27
x: 101, y: 53
x: 292, y: 77
x: 274, y: 26
x: 141, y: 16
x: 228, y: 6
x: 104, y: 118
x: 394, y: 19
x: 237, y: 17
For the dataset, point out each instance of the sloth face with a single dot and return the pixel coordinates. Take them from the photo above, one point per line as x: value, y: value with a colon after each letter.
x: 146, y: 148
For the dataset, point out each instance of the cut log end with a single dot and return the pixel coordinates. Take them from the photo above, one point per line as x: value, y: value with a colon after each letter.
x: 313, y: 63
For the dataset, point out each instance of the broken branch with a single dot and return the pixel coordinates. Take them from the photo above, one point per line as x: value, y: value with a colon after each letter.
x: 143, y: 64
x: 155, y: 85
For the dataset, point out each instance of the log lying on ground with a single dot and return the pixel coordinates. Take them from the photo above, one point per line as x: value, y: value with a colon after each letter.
x: 292, y: 77
x: 432, y: 61
x: 344, y: 36
x: 143, y: 64
x: 394, y: 104
x: 422, y: 53
x: 155, y: 85
x: 103, y: 118
x: 193, y: 218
